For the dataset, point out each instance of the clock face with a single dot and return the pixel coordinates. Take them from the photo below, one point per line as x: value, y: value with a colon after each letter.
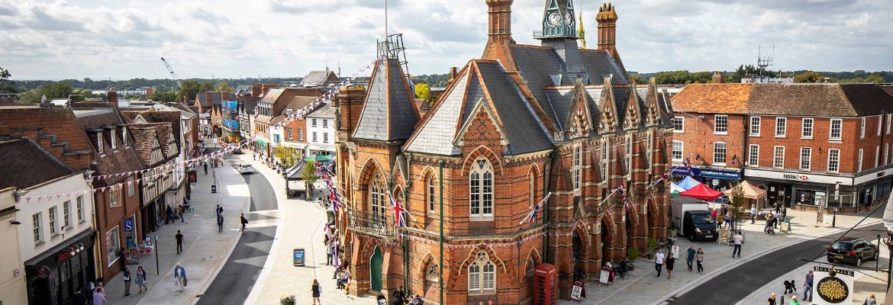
x: 554, y: 18
x: 569, y: 18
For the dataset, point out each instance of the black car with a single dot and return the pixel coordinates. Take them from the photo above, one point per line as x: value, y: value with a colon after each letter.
x: 852, y: 251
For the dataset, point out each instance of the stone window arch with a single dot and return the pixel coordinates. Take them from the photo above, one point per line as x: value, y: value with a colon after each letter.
x: 482, y: 275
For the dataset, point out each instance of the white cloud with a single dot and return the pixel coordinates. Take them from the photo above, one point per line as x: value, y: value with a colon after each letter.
x: 232, y: 38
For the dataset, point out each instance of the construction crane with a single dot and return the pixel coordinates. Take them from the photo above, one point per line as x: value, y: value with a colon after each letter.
x: 171, y: 70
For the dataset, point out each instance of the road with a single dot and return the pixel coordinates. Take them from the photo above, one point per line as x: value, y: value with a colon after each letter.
x: 737, y: 283
x: 235, y: 280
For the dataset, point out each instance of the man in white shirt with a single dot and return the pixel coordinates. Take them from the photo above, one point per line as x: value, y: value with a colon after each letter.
x: 753, y: 214
x: 659, y: 261
x: 738, y: 240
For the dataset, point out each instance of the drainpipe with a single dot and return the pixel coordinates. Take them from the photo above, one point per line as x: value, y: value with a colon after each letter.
x: 547, y: 174
x: 440, y: 182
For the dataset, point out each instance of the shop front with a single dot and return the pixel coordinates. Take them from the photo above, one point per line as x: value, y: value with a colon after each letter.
x: 153, y: 214
x: 59, y: 275
x: 806, y: 191
x: 716, y: 178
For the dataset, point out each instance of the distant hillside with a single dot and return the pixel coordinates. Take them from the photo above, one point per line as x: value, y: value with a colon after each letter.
x: 160, y: 84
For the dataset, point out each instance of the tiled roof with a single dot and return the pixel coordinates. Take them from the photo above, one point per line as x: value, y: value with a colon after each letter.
x: 24, y: 163
x: 713, y: 98
x: 318, y: 78
x: 326, y: 111
x: 823, y: 99
x: 388, y: 113
x: 58, y: 125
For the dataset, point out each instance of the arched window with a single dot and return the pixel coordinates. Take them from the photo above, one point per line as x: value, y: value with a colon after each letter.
x: 431, y: 198
x: 432, y: 274
x: 482, y: 275
x: 377, y: 192
x: 480, y: 187
x: 577, y: 167
x: 532, y: 188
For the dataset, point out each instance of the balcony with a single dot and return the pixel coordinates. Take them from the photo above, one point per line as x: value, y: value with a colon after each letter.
x: 371, y: 224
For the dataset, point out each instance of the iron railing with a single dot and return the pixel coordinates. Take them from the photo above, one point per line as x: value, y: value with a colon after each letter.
x: 371, y: 223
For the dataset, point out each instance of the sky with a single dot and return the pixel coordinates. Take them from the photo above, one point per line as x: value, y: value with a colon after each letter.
x: 122, y: 39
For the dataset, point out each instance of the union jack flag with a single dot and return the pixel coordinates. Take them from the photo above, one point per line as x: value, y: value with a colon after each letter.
x: 687, y: 165
x: 535, y: 209
x: 399, y: 211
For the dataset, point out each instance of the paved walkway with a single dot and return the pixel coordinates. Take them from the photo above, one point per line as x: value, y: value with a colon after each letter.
x: 204, y: 249
x: 643, y: 287
x: 300, y: 226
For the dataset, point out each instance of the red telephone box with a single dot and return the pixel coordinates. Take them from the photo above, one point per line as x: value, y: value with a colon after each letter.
x: 545, y: 285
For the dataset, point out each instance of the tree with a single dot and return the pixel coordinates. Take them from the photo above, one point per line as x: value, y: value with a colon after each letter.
x: 287, y: 156
x: 423, y: 92
x: 6, y: 85
x: 808, y: 77
x: 225, y: 87
x: 737, y: 201
x: 164, y: 96
x: 875, y: 78
x: 191, y: 87
x: 51, y: 91
x: 309, y: 176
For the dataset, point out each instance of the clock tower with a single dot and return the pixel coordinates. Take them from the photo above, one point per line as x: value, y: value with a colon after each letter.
x: 560, y: 33
x: 558, y: 20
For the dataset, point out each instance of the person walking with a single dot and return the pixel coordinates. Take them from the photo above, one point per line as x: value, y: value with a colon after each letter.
x: 700, y: 258
x: 738, y: 240
x: 219, y: 210
x: 807, y: 287
x: 753, y: 214
x: 690, y: 257
x: 398, y: 296
x: 244, y: 222
x: 180, y: 277
x: 98, y: 296
x: 316, y: 292
x: 669, y: 265
x: 794, y: 300
x: 179, y: 238
x: 182, y: 212
x: 205, y: 164
x: 771, y: 299
x: 141, y: 279
x: 219, y: 223
x: 345, y: 277
x: 126, y: 282
x: 659, y: 261
x: 170, y: 215
x: 870, y: 300
x: 329, y: 255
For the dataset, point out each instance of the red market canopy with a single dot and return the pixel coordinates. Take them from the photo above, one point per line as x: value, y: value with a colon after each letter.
x: 703, y: 192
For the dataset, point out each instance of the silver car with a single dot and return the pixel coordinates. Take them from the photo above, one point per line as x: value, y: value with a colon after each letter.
x: 245, y: 169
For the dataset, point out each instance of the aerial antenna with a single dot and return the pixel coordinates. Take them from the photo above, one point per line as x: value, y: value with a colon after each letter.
x: 764, y: 62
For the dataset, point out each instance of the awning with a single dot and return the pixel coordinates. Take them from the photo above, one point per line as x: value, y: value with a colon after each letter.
x: 749, y: 191
x: 702, y: 192
x: 318, y: 157
x: 688, y: 183
x: 294, y: 172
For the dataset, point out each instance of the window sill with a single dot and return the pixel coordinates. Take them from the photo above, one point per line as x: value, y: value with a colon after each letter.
x: 39, y: 243
x: 754, y: 135
x: 806, y: 138
x: 55, y: 235
x: 781, y: 136
x: 481, y: 218
x: 678, y: 131
x: 485, y: 292
x: 721, y: 133
x: 69, y: 228
x: 835, y: 141
x: 81, y: 222
x: 718, y: 164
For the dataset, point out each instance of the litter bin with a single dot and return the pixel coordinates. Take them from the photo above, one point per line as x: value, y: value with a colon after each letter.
x: 298, y: 257
x: 213, y: 188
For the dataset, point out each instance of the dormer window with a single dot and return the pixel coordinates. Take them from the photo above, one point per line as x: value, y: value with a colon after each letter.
x: 556, y: 79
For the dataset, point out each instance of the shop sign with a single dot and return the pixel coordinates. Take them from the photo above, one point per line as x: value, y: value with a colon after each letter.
x: 756, y: 173
x: 721, y: 174
x: 128, y: 224
x: 870, y: 177
x: 833, y: 286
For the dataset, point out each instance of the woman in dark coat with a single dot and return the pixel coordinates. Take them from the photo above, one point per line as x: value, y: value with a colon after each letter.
x: 315, y: 290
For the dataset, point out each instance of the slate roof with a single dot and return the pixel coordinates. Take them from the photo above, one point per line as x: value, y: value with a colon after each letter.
x: 326, y: 111
x: 713, y: 98
x: 248, y: 103
x: 482, y: 83
x: 388, y: 112
x: 25, y: 164
x: 212, y: 98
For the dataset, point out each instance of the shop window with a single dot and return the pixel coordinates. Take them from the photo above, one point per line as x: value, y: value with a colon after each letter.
x: 113, y: 240
x: 806, y: 132
x: 753, y: 155
x: 720, y: 124
x: 755, y: 126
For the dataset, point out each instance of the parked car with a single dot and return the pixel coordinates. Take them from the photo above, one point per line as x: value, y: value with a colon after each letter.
x: 245, y: 169
x: 852, y: 251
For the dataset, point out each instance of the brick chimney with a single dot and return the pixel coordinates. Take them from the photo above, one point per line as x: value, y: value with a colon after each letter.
x: 112, y: 96
x: 499, y: 32
x: 256, y: 90
x: 500, y: 19
x: 607, y: 27
x: 452, y: 75
x: 718, y: 78
x: 349, y: 103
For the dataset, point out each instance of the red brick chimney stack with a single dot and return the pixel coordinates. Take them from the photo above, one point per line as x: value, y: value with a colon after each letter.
x: 607, y: 27
x: 112, y: 96
x: 500, y: 22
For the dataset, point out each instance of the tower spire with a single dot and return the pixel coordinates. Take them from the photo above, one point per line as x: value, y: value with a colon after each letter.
x: 581, y: 32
